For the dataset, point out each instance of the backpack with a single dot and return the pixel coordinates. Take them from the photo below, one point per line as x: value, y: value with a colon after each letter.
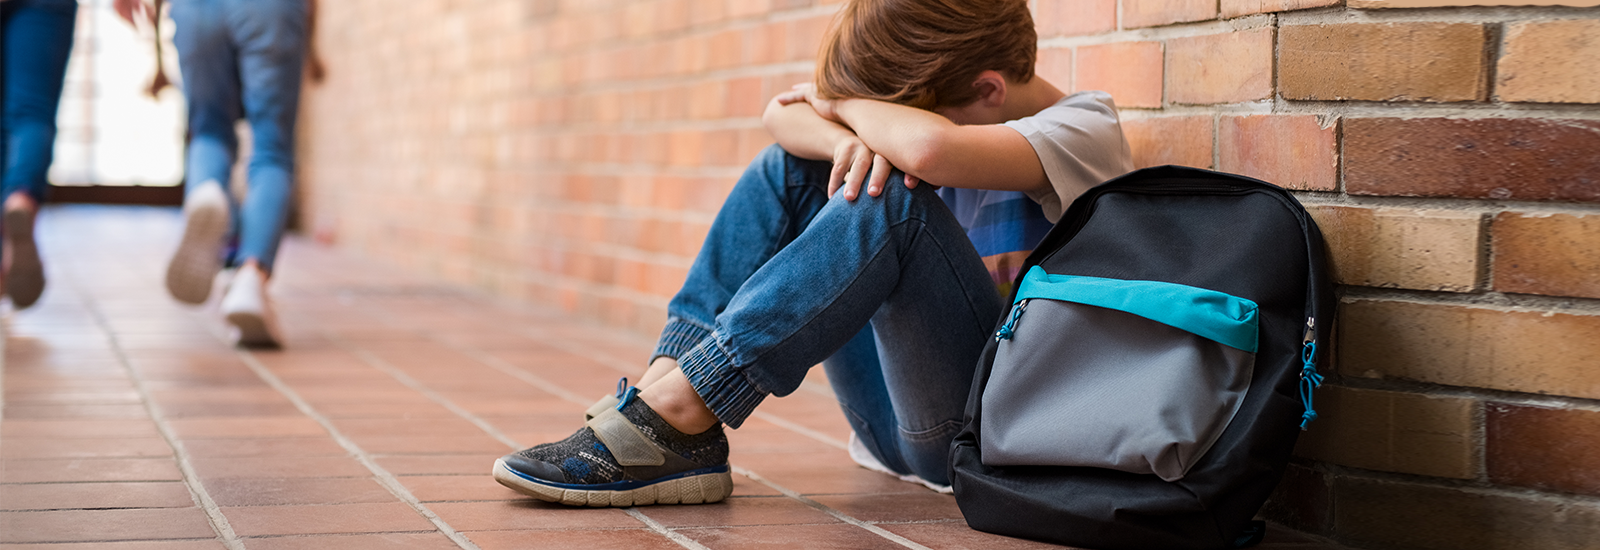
x: 1148, y: 383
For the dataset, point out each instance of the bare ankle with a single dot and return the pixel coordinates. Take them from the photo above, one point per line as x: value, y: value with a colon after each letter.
x: 674, y: 398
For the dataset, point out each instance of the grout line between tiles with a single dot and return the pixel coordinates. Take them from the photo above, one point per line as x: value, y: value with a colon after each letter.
x: 791, y: 493
x: 656, y: 526
x: 191, y: 479
x: 381, y: 474
x: 802, y: 430
x: 405, y: 379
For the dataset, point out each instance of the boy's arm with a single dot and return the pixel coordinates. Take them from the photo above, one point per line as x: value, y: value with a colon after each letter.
x: 803, y: 133
x: 936, y: 150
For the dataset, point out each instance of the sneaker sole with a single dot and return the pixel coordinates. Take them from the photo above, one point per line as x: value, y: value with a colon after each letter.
x: 25, y: 281
x: 195, y: 265
x: 700, y: 489
x: 253, y: 330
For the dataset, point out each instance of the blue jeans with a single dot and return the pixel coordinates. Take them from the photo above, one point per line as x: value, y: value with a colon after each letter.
x: 788, y: 278
x: 242, y: 59
x: 38, y: 40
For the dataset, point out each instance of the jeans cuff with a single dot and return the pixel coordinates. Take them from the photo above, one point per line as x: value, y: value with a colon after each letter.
x: 725, y: 390
x: 678, y: 338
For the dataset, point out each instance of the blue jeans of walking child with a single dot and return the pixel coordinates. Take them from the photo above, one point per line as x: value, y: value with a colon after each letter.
x: 37, y: 38
x: 242, y: 59
x: 887, y: 292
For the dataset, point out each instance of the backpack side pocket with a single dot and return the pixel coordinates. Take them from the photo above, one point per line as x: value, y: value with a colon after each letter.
x: 1137, y: 376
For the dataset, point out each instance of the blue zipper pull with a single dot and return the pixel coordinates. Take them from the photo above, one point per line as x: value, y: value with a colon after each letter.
x: 1010, y: 327
x: 1309, y: 379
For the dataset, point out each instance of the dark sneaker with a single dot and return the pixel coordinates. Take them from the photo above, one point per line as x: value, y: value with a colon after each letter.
x: 25, y: 279
x: 625, y: 456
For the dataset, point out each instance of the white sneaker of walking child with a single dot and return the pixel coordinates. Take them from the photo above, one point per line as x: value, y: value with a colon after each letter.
x: 199, y: 257
x: 863, y: 457
x: 247, y: 307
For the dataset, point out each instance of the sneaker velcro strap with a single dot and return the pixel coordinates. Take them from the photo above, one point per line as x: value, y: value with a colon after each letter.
x: 607, y: 402
x: 627, y: 444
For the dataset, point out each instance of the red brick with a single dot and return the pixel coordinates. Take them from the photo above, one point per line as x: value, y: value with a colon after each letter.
x: 1055, y: 66
x: 1150, y: 13
x: 1385, y: 514
x: 1181, y: 140
x: 1074, y: 17
x: 1401, y: 247
x: 1129, y: 71
x: 1220, y: 68
x: 1552, y: 254
x: 1382, y: 62
x: 1235, y: 8
x: 1394, y: 432
x: 1550, y: 62
x: 1294, y: 151
x: 1544, y: 352
x: 1543, y: 448
x: 1506, y: 159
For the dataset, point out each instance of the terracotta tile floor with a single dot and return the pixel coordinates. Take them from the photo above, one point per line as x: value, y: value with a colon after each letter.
x: 129, y: 423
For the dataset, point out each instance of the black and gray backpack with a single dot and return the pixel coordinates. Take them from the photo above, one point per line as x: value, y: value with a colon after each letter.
x: 1149, y: 381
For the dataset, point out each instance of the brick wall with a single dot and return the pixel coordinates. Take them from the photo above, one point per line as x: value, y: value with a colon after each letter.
x: 573, y: 153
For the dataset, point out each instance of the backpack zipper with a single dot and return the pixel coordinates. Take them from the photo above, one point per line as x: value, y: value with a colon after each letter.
x: 1309, y: 379
x: 1010, y: 327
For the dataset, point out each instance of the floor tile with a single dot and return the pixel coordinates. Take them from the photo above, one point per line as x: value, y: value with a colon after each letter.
x: 441, y: 488
x: 904, y: 507
x: 148, y: 447
x: 432, y: 444
x: 799, y: 537
x: 76, y: 411
x: 283, y: 491
x: 264, y: 448
x: 439, y: 465
x: 528, y: 514
x: 49, y: 470
x: 207, y: 544
x: 738, y: 511
x: 68, y: 496
x: 64, y: 429
x: 955, y: 535
x: 632, y: 539
x: 246, y: 427
x: 97, y: 525
x: 311, y: 466
x: 249, y: 521
x: 376, y: 541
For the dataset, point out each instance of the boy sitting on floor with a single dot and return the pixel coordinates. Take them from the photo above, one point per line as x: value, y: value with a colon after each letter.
x: 889, y: 291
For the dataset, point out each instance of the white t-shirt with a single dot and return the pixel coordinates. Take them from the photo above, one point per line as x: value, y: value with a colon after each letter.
x: 1080, y: 144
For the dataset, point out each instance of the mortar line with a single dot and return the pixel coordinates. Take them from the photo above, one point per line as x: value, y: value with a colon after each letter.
x: 841, y: 516
x: 191, y: 479
x: 656, y: 526
x: 379, y: 473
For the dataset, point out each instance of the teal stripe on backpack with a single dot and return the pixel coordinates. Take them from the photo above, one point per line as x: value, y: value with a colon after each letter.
x: 1223, y: 318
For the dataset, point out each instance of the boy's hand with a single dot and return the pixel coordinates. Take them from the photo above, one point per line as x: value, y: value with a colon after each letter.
x: 808, y: 93
x: 851, y: 158
x: 854, y: 163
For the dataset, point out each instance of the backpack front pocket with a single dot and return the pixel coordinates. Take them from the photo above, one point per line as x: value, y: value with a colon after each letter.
x: 1137, y: 376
